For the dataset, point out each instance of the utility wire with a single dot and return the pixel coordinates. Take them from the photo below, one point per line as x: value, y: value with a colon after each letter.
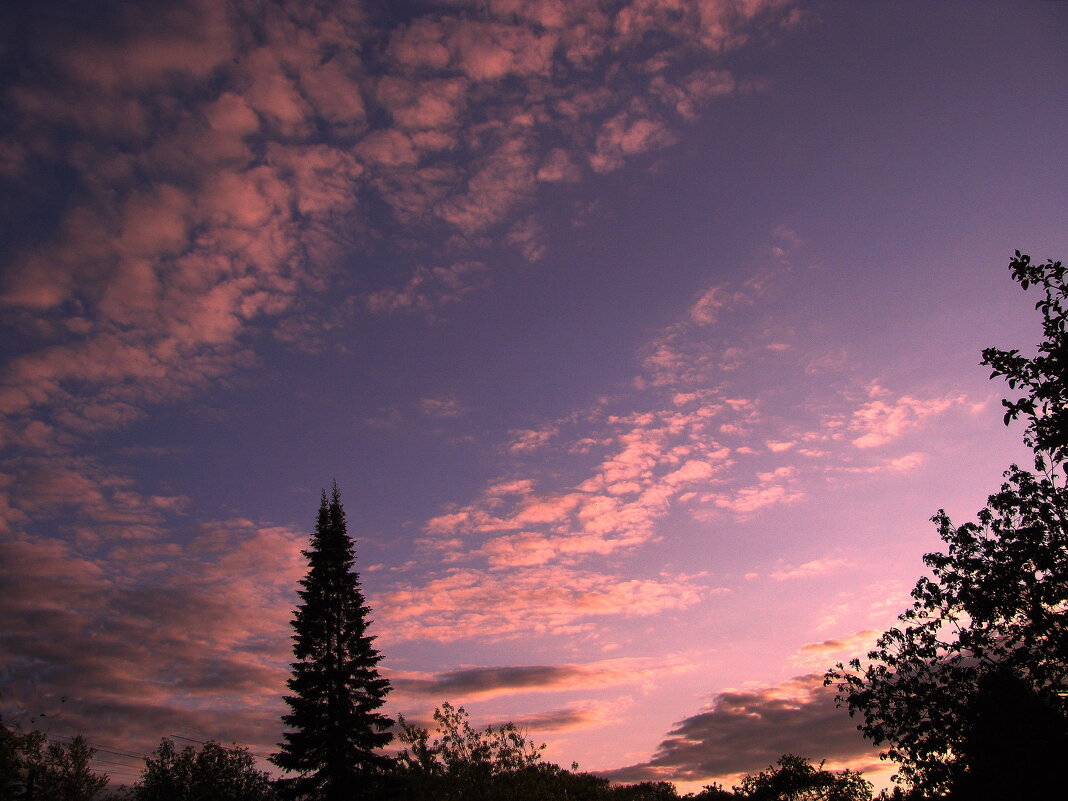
x: 109, y: 762
x: 101, y: 749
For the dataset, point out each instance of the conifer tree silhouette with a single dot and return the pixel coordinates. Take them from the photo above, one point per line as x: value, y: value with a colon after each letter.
x: 334, y: 726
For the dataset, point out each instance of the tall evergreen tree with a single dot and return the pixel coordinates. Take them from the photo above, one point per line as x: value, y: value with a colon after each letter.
x: 334, y: 723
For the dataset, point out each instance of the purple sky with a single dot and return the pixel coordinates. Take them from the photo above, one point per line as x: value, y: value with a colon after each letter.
x: 641, y: 337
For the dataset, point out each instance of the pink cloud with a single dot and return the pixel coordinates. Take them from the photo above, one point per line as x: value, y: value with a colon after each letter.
x: 502, y: 180
x: 429, y: 287
x: 526, y: 440
x: 694, y: 91
x: 528, y: 236
x: 629, y: 133
x: 423, y: 105
x: 442, y: 407
x: 652, y: 460
x: 179, y: 41
x: 748, y: 500
x: 708, y: 306
x: 535, y: 600
x: 124, y: 633
x: 574, y: 717
x: 821, y: 655
x: 878, y: 422
x: 557, y: 166
x: 275, y: 96
x: 250, y: 205
x: 420, y: 44
x: 489, y: 51
x: 778, y: 446
x: 816, y: 567
x: 899, y: 464
x: 471, y: 683
x: 332, y: 87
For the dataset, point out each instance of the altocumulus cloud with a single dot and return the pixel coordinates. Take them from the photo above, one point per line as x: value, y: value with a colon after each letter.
x: 220, y: 155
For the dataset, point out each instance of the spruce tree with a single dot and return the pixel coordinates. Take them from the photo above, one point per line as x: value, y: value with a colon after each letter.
x: 334, y: 726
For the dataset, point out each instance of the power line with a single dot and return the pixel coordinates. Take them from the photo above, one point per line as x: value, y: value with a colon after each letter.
x: 112, y: 772
x: 101, y: 749
x: 109, y: 762
x: 190, y: 739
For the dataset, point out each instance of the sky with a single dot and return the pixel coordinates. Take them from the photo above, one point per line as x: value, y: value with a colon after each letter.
x: 642, y: 338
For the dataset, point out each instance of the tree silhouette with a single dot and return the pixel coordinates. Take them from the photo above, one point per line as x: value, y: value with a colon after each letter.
x: 467, y: 764
x: 794, y: 778
x: 1014, y: 741
x: 213, y: 772
x: 334, y: 723
x: 991, y: 622
x: 31, y: 769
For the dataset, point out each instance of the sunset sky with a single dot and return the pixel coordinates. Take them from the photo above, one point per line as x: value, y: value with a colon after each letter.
x: 641, y: 337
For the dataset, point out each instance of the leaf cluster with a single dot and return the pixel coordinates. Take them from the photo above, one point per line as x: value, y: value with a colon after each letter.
x: 1045, y: 377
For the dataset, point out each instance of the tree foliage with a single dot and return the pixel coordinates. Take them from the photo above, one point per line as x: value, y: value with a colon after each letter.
x: 334, y: 726
x: 467, y: 763
x: 794, y: 778
x: 1044, y: 377
x: 214, y: 773
x: 32, y: 768
x: 996, y: 600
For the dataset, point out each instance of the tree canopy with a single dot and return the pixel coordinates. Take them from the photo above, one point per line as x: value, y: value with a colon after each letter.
x: 989, y: 623
x: 794, y: 778
x: 463, y: 762
x: 214, y: 773
x: 32, y: 768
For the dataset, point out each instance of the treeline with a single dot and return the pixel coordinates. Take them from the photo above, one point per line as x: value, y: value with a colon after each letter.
x: 459, y: 764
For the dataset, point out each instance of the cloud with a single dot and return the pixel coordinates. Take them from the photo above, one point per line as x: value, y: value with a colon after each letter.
x: 878, y: 422
x: 153, y: 636
x: 222, y: 183
x: 220, y: 178
x: 898, y: 464
x: 430, y: 287
x: 684, y: 357
x: 816, y: 567
x: 531, y: 439
x: 529, y: 236
x: 490, y: 682
x: 778, y: 486
x: 823, y: 654
x: 555, y: 600
x: 631, y: 132
x: 745, y: 730
x: 707, y: 308
x: 571, y: 718
x: 442, y: 407
x: 649, y: 461
x: 748, y: 500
